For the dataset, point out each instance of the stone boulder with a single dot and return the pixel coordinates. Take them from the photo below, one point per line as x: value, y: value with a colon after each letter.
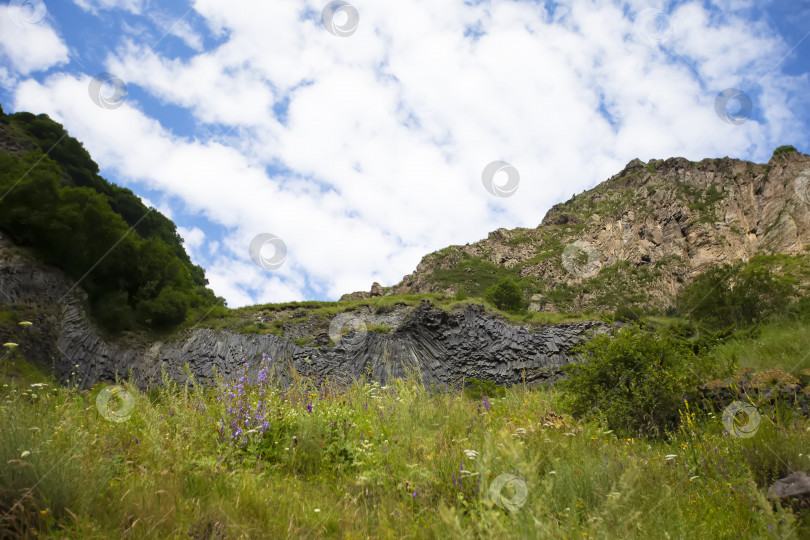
x: 794, y: 489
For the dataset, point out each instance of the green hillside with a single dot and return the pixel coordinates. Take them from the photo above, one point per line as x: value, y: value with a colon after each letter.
x: 129, y: 258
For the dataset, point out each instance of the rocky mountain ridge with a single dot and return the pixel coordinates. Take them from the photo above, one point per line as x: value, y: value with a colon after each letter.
x: 652, y: 226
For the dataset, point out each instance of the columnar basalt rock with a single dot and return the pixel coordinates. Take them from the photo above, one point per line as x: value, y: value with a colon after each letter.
x: 440, y: 347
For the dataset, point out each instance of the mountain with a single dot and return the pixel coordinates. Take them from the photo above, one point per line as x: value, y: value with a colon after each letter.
x: 633, y: 241
x: 636, y: 238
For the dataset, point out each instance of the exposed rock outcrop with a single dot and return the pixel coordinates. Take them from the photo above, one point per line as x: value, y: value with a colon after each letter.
x: 443, y: 348
x: 672, y: 217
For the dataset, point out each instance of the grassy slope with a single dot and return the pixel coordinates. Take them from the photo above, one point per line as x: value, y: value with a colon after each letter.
x: 244, y: 320
x: 374, y: 462
x: 783, y: 345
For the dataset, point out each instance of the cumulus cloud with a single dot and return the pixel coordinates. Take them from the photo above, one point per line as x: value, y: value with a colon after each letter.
x: 365, y: 152
x: 29, y: 46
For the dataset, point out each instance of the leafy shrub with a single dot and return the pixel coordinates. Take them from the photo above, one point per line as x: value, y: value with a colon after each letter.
x: 800, y: 310
x: 782, y: 150
x: 626, y: 314
x: 114, y: 310
x: 726, y: 295
x: 634, y: 380
x: 506, y: 295
x: 167, y: 309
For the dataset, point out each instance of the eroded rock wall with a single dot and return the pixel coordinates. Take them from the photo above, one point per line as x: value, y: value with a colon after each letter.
x: 442, y: 348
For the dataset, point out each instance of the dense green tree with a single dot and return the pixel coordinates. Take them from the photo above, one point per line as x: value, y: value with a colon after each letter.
x: 128, y: 258
x: 506, y: 295
x: 738, y: 296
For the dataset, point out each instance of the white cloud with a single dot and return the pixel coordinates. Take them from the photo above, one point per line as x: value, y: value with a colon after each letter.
x: 7, y: 80
x: 178, y: 27
x: 29, y: 47
x: 388, y: 130
x: 192, y: 238
x: 204, y: 84
x: 94, y: 6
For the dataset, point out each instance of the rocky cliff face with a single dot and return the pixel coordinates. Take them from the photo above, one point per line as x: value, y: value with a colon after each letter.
x: 442, y: 348
x: 664, y: 221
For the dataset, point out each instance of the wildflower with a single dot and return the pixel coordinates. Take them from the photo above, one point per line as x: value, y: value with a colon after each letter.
x: 486, y: 403
x: 309, y: 407
x: 10, y: 345
x: 670, y: 457
x: 26, y: 324
x: 471, y: 454
x: 43, y: 512
x: 25, y: 454
x: 317, y: 510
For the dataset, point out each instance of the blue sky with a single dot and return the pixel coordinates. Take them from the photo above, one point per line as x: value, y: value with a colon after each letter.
x: 363, y: 152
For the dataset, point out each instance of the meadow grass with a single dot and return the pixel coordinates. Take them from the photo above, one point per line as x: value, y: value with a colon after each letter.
x: 372, y: 461
x: 783, y: 345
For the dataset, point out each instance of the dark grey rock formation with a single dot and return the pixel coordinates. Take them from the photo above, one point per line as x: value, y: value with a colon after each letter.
x: 794, y: 490
x: 442, y: 348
